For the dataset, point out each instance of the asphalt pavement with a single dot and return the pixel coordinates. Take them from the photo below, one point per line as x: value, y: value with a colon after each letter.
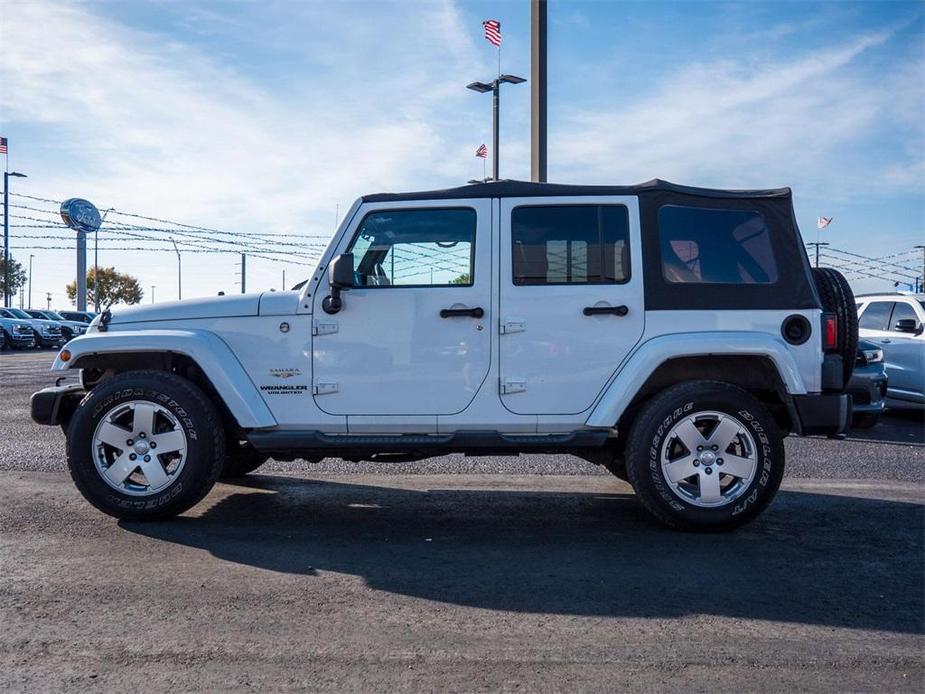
x: 538, y: 573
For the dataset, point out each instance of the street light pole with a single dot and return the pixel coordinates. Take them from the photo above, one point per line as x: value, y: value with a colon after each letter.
x: 179, y: 270
x: 923, y: 267
x: 538, y: 90
x: 152, y: 292
x: 495, y: 88
x: 31, y: 256
x: 817, y: 245
x: 6, y: 233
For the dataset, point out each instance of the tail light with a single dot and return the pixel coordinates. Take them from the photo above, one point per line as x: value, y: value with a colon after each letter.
x: 829, y: 332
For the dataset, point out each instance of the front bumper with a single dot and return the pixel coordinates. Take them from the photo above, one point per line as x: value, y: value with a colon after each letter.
x: 20, y: 341
x: 56, y: 404
x: 868, y: 395
x: 822, y: 413
x: 50, y: 340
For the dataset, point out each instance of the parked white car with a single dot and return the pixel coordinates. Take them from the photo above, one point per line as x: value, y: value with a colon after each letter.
x: 674, y: 335
x: 895, y: 322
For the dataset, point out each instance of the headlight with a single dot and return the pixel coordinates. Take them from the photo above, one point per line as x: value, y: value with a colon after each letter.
x: 872, y: 356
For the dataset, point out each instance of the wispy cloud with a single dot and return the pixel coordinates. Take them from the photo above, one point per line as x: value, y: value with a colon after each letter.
x: 150, y: 122
x: 737, y: 123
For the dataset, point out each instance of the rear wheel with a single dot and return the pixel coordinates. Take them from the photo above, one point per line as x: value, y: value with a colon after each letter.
x: 145, y: 445
x: 705, y: 455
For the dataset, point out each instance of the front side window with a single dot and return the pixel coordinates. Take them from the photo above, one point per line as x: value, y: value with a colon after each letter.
x: 876, y: 316
x: 570, y: 244
x: 708, y: 246
x: 414, y: 248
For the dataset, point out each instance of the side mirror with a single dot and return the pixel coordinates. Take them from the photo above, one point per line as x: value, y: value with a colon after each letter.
x: 908, y: 325
x: 340, y: 278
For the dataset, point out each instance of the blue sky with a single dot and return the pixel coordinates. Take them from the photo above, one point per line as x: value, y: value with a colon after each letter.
x: 267, y: 116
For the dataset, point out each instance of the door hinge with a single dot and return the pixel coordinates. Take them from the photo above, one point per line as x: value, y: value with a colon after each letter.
x: 513, y: 326
x: 324, y: 387
x: 513, y: 386
x: 324, y: 327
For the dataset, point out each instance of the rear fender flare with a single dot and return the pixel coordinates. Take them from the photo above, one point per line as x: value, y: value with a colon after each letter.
x: 643, y: 362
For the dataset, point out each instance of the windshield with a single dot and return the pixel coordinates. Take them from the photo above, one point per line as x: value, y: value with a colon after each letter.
x: 53, y: 315
x: 19, y: 313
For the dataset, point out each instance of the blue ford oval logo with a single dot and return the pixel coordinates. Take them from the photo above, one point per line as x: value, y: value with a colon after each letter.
x: 80, y: 215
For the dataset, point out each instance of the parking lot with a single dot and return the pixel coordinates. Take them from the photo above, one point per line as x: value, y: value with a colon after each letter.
x: 531, y: 573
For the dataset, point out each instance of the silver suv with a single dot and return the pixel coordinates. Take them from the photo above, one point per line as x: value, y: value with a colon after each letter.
x: 896, y: 323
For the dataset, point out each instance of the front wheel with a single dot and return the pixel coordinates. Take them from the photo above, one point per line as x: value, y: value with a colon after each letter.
x: 145, y: 445
x: 705, y: 455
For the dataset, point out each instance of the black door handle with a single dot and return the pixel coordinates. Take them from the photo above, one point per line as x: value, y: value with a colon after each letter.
x: 476, y: 312
x: 603, y: 310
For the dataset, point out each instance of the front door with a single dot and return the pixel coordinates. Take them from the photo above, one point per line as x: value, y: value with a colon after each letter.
x: 571, y: 299
x: 413, y: 335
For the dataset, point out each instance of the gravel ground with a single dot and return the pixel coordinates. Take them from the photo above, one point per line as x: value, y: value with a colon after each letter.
x: 893, y: 450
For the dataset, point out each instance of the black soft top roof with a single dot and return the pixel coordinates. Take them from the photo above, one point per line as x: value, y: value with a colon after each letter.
x: 525, y: 189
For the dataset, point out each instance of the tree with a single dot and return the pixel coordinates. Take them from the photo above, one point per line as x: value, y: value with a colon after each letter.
x: 115, y: 288
x: 462, y: 279
x: 17, y: 277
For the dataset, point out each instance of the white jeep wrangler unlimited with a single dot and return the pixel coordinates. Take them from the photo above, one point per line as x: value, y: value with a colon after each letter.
x: 674, y: 335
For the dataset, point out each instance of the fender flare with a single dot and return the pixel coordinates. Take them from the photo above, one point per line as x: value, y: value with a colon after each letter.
x: 651, y: 354
x: 209, y: 351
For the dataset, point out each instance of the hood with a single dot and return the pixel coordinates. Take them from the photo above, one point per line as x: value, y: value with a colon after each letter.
x: 228, y: 306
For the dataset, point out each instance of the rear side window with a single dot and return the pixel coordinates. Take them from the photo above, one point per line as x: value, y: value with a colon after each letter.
x: 708, y: 246
x: 876, y: 316
x: 570, y: 244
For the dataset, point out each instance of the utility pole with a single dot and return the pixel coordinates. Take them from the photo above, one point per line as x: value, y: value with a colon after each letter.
x: 31, y: 256
x: 153, y: 286
x: 7, y: 175
x: 922, y: 288
x: 817, y: 244
x: 48, y: 301
x: 538, y: 93
x: 179, y: 270
x: 284, y: 280
x: 243, y: 273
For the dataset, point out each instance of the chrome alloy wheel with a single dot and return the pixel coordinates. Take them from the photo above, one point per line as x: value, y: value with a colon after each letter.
x: 139, y: 448
x: 709, y: 459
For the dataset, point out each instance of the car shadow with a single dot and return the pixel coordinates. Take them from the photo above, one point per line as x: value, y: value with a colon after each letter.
x: 812, y: 558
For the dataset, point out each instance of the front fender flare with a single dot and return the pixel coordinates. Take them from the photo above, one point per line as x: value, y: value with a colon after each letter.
x: 207, y: 349
x: 653, y: 353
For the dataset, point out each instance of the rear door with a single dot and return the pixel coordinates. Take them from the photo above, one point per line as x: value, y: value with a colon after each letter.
x: 571, y: 299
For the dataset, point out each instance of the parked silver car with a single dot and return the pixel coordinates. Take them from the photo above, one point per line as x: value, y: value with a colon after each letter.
x: 69, y: 328
x: 895, y: 322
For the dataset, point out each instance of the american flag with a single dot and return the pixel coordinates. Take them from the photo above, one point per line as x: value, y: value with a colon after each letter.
x: 3, y: 146
x: 823, y: 222
x: 493, y: 31
x: 481, y: 152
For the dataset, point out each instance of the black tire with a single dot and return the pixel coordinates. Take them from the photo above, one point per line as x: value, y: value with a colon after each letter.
x: 617, y: 467
x: 655, y: 421
x: 6, y: 343
x: 838, y: 298
x: 194, y: 413
x: 241, y: 459
x: 865, y: 421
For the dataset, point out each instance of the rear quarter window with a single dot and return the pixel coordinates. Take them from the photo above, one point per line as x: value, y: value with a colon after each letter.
x: 715, y: 246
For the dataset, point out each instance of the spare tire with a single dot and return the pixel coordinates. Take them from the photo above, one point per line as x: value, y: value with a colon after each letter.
x: 838, y: 298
